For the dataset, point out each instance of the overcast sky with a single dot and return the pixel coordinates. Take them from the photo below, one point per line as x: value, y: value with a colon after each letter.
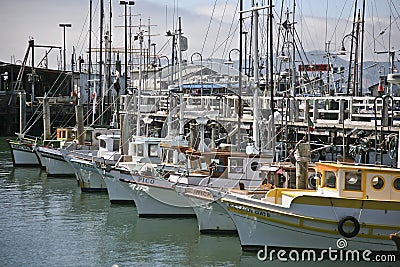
x: 318, y: 21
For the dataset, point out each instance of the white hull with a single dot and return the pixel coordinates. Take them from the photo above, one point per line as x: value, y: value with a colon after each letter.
x: 118, y: 192
x: 305, y: 226
x: 55, y: 163
x: 157, y: 198
x: 212, y: 218
x: 89, y: 176
x: 23, y: 155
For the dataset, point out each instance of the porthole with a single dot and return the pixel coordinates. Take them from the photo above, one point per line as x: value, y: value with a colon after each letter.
x: 377, y: 183
x: 254, y: 166
x: 396, y: 184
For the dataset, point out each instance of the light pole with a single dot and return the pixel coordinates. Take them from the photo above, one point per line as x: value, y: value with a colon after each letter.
x: 230, y: 62
x: 201, y: 75
x: 355, y: 71
x: 126, y: 3
x: 159, y: 64
x: 65, y: 25
x: 154, y: 64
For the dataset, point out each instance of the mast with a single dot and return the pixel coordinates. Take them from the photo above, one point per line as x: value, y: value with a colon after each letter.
x: 181, y: 110
x: 240, y: 108
x: 101, y: 59
x: 140, y: 83
x: 90, y: 58
x: 256, y: 131
x: 271, y: 74
x: 109, y: 58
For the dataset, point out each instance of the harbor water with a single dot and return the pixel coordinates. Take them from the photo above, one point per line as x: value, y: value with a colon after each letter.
x: 46, y: 221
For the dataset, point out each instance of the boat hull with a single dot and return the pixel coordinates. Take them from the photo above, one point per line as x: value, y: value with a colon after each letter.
x: 89, y: 175
x: 118, y: 192
x: 55, y: 163
x: 23, y: 155
x: 156, y: 198
x: 307, y: 226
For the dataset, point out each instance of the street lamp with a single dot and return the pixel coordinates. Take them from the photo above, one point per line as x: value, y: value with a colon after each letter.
x: 201, y: 75
x: 159, y: 64
x: 229, y: 55
x: 126, y: 3
x: 343, y: 52
x: 154, y: 65
x: 230, y: 62
x: 65, y: 25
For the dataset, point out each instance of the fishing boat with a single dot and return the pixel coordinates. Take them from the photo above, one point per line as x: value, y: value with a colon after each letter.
x: 22, y: 153
x: 152, y: 191
x: 51, y: 157
x: 211, y: 217
x: 358, y: 203
x: 141, y: 150
x: 87, y: 163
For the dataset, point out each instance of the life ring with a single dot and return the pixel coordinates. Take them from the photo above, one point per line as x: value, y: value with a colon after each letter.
x: 355, y: 230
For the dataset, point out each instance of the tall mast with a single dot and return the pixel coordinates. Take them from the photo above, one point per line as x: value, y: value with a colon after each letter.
x: 140, y: 83
x: 240, y: 108
x: 256, y: 132
x: 90, y: 57
x: 271, y: 73
x: 109, y: 57
x: 101, y: 59
x: 181, y: 110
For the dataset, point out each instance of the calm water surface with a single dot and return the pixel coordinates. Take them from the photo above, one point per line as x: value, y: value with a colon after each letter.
x: 46, y: 221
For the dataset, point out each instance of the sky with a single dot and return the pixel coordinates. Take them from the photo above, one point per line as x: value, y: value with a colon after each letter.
x: 209, y: 25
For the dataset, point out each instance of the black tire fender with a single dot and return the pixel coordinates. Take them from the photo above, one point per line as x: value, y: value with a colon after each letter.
x: 355, y: 222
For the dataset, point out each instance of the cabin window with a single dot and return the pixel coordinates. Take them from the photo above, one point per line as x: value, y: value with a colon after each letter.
x: 170, y: 156
x: 115, y: 145
x: 102, y: 143
x: 352, y: 181
x: 330, y: 179
x: 153, y: 150
x: 182, y: 158
x: 139, y: 150
x: 236, y: 165
x: 396, y: 184
x: 194, y: 163
x: 203, y: 163
x: 377, y: 182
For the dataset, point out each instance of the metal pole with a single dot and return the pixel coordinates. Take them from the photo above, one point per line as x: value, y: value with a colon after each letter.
x: 126, y: 48
x: 65, y: 25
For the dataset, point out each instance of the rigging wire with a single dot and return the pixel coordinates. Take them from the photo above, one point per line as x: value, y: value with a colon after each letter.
x: 208, y: 27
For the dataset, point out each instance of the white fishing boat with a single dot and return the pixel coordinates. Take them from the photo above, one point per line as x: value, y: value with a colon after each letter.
x: 141, y: 150
x: 22, y: 153
x: 154, y: 194
x: 357, y: 203
x: 87, y: 163
x: 53, y: 159
x: 242, y: 173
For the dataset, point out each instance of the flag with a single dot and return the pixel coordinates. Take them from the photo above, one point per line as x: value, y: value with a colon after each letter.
x: 310, y: 125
